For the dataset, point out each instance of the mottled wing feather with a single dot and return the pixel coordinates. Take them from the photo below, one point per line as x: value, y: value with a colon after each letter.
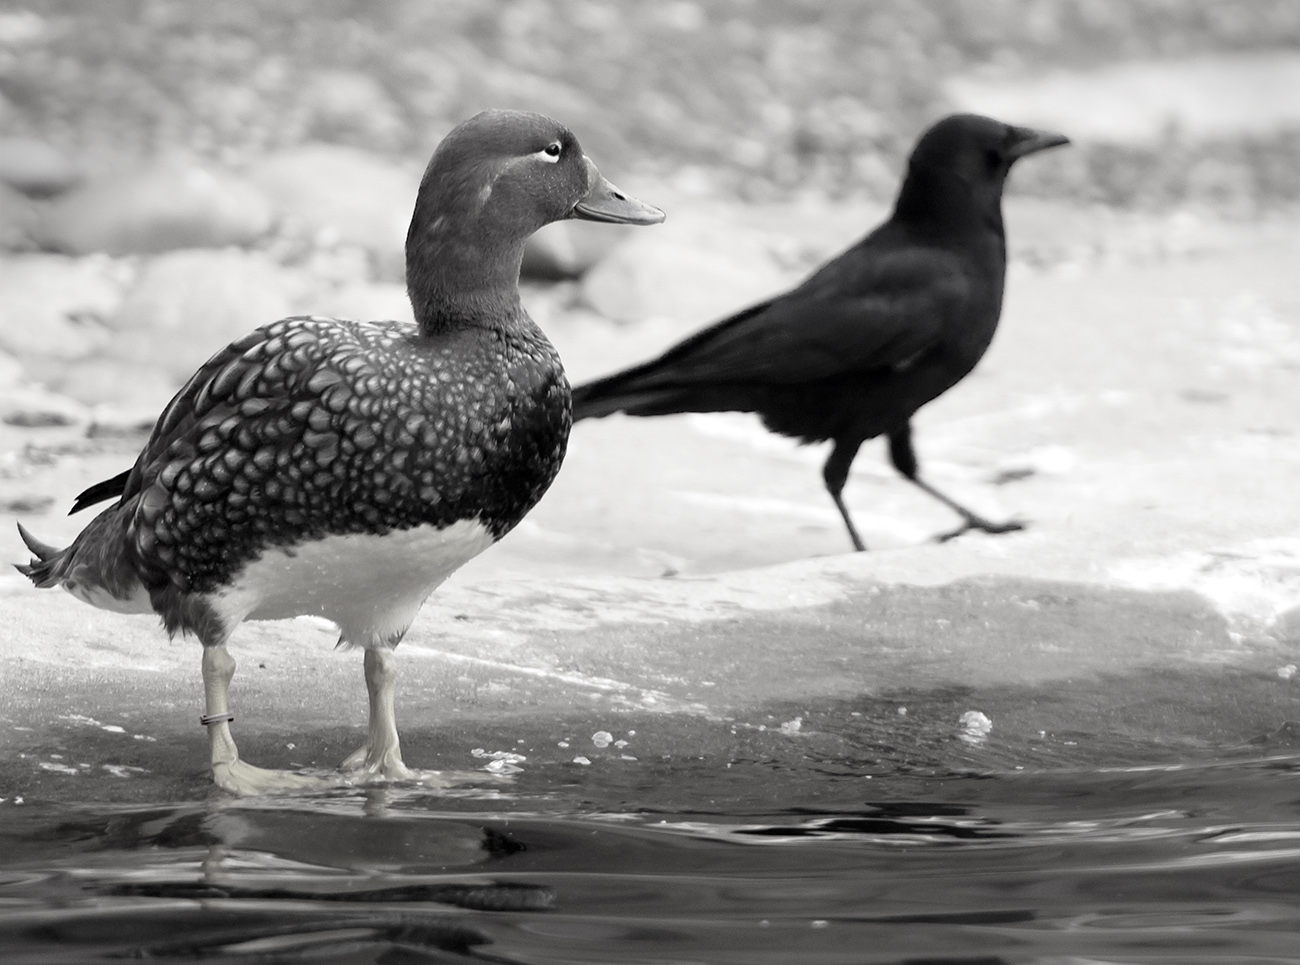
x: 180, y: 413
x: 310, y: 427
x: 170, y: 423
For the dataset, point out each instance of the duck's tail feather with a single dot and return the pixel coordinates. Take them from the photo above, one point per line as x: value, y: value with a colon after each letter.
x: 95, y: 567
x: 46, y: 567
x: 108, y: 489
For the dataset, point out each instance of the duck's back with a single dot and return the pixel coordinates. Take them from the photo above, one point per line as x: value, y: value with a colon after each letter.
x: 312, y: 429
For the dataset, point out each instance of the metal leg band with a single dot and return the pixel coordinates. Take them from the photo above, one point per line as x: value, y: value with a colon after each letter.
x: 224, y: 718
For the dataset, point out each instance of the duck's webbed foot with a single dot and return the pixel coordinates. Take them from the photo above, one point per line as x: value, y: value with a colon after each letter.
x: 240, y: 777
x: 228, y: 771
x: 370, y: 763
x: 380, y: 759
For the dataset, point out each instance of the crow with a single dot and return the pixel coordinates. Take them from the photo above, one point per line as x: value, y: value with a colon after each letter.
x: 870, y: 337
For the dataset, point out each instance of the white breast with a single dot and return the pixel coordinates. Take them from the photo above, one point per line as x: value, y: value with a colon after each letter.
x: 371, y: 586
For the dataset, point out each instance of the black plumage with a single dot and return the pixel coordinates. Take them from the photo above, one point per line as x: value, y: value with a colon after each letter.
x: 344, y: 469
x: 889, y: 325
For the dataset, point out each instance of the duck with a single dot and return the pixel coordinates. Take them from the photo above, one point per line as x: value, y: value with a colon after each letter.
x: 344, y: 469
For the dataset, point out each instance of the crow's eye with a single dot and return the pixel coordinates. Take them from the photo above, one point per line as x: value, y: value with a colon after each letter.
x: 551, y: 153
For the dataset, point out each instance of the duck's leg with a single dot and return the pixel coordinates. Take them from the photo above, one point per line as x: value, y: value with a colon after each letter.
x: 228, y: 771
x: 381, y: 757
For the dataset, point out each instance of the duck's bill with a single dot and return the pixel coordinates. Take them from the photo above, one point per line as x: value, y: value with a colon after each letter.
x: 608, y: 204
x: 1031, y: 141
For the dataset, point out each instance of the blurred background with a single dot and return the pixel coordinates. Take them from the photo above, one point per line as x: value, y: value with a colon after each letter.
x: 297, y: 130
x: 173, y: 174
x: 1175, y: 101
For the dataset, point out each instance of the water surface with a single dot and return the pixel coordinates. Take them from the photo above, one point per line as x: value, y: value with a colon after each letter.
x: 887, y: 840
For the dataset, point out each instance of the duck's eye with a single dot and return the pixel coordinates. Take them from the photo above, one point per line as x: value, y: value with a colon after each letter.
x: 551, y: 152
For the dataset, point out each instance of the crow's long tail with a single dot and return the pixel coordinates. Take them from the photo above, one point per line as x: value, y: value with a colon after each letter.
x: 648, y: 390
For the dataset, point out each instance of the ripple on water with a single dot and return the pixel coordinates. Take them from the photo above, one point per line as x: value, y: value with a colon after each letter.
x: 1201, y: 863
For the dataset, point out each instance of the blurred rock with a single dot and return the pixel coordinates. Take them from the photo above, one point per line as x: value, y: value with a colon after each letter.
x: 115, y: 420
x: 17, y: 216
x: 339, y: 266
x: 349, y: 107
x: 169, y: 204
x: 1287, y: 626
x: 33, y: 407
x: 11, y: 371
x: 186, y: 305
x: 1138, y: 102
x: 364, y: 302
x: 37, y: 169
x: 53, y: 306
x: 568, y: 249
x: 27, y: 505
x: 691, y: 272
x: 343, y: 196
x: 111, y: 381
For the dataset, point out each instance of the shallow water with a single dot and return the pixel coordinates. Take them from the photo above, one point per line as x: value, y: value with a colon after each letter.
x: 894, y: 843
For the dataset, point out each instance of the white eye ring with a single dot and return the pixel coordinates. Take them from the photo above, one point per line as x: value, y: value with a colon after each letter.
x: 551, y: 153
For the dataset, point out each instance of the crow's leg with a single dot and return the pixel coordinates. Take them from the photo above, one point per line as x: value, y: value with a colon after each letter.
x: 836, y: 473
x: 903, y: 456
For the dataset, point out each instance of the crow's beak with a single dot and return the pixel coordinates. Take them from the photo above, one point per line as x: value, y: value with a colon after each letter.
x: 606, y: 203
x: 1030, y: 141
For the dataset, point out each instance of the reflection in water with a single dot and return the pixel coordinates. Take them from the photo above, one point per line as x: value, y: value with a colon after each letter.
x: 1195, y: 863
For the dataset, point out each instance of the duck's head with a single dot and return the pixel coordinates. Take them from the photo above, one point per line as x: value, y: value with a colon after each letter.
x: 492, y: 182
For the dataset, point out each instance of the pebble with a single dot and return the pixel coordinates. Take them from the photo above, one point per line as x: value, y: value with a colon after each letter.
x: 975, y: 727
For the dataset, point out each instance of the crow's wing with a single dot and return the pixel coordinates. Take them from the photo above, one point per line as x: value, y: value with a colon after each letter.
x: 869, y: 309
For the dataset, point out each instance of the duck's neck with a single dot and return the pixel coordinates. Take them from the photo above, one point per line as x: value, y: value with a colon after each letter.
x: 458, y: 275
